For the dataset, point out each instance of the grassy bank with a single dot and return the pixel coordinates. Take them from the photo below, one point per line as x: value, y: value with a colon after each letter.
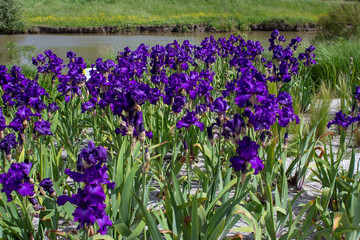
x: 334, y: 61
x: 220, y: 14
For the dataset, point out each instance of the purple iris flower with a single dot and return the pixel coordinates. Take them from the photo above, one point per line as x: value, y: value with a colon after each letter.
x: 155, y: 79
x: 284, y: 98
x: 238, y: 164
x: 265, y: 114
x: 104, y: 67
x: 200, y: 109
x: 230, y: 87
x: 85, y: 216
x: 139, y: 122
x: 342, y: 120
x: 49, y: 63
x: 287, y: 115
x: 219, y: 106
x: 179, y: 103
x: 308, y: 56
x: 35, y: 203
x: 2, y: 121
x: 89, y: 201
x: 282, y: 38
x: 92, y: 155
x: 40, y: 57
x: 275, y: 34
x: 86, y: 106
x: 123, y: 129
x: 42, y: 127
x: 104, y: 222
x: 35, y: 61
x: 247, y: 151
x: 295, y: 42
x: 262, y: 119
x: 71, y: 55
x: 233, y: 127
x: 47, y: 185
x: 53, y: 107
x: 8, y: 143
x: 242, y: 100
x: 36, y: 103
x: 25, y: 113
x: 357, y: 93
x: 188, y: 120
x: 96, y: 174
x: 17, y: 179
x: 149, y: 134
x: 265, y: 136
x: 210, y: 133
x: 16, y: 124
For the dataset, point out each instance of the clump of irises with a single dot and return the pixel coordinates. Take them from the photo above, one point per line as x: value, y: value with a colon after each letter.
x: 178, y: 77
x: 247, y: 151
x: 17, y: 179
x: 89, y: 201
x: 343, y: 120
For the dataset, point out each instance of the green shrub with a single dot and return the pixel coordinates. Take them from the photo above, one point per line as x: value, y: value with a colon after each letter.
x: 10, y: 17
x: 343, y: 21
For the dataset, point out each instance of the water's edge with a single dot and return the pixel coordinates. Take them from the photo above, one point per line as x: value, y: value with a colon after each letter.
x: 177, y: 28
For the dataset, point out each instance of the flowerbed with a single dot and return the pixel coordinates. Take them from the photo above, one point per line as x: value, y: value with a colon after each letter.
x: 151, y: 114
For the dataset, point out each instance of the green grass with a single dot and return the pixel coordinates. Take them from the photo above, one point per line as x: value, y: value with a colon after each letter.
x: 319, y: 109
x: 333, y: 61
x: 85, y: 13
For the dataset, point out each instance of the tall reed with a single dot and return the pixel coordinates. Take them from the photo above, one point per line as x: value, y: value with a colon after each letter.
x: 334, y: 59
x: 319, y: 109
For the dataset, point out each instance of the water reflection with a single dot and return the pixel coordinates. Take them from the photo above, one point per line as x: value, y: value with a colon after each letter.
x: 91, y: 46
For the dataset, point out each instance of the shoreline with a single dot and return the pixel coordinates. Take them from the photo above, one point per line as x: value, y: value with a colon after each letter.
x: 178, y: 28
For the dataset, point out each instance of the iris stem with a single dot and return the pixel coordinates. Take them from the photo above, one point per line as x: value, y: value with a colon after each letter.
x: 188, y: 172
x: 213, y: 172
x: 219, y: 160
x: 238, y: 183
x: 4, y: 162
x: 143, y: 173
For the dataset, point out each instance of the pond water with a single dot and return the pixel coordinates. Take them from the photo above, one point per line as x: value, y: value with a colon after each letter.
x: 92, y: 46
